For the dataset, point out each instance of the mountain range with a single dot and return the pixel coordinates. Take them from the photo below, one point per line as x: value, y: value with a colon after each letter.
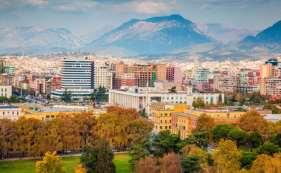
x: 33, y: 40
x: 156, y: 36
x: 268, y: 37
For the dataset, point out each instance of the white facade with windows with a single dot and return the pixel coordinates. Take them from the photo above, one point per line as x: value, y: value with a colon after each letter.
x: 210, y: 98
x: 9, y: 112
x: 77, y: 78
x: 6, y: 91
x: 142, y: 98
x: 103, y: 76
x: 77, y: 74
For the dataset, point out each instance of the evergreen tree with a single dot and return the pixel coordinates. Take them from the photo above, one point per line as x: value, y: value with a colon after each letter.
x: 99, y: 95
x: 173, y: 90
x: 190, y: 164
x: 98, y: 158
x: 198, y: 103
x: 66, y: 96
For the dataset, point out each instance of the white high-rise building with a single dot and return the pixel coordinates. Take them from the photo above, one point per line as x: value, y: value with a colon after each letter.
x: 103, y: 76
x: 78, y: 78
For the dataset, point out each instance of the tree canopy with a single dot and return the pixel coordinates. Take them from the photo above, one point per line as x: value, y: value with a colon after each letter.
x: 51, y: 163
x: 227, y: 157
x: 198, y: 103
x: 98, y: 158
x: 122, y: 127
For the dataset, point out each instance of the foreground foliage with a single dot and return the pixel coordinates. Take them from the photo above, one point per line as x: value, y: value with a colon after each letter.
x: 121, y: 128
x: 252, y: 145
x: 51, y: 163
x: 98, y: 158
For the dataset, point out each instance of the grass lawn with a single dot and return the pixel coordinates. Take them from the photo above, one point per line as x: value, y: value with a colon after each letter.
x: 121, y: 162
x: 69, y: 163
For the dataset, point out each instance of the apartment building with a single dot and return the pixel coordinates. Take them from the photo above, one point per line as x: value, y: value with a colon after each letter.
x: 103, y: 75
x: 6, y: 91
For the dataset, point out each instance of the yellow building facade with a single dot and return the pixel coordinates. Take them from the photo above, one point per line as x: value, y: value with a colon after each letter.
x: 45, y: 116
x: 184, y: 123
x: 49, y: 113
x: 221, y: 116
x: 162, y: 115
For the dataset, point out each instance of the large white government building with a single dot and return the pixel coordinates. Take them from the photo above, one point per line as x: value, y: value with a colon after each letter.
x: 141, y: 98
x: 77, y: 78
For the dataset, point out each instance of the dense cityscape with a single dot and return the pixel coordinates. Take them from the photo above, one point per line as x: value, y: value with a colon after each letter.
x: 183, y: 103
x: 156, y: 86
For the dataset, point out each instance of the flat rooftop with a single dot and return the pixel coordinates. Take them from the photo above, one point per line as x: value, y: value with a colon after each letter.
x: 8, y: 107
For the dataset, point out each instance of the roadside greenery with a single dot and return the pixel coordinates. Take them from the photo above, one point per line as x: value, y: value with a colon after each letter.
x: 99, y: 95
x: 13, y: 99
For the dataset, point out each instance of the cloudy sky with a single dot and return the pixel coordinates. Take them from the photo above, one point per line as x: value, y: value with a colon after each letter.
x: 97, y: 16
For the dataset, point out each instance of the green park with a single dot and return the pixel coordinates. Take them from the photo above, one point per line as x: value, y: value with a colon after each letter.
x: 121, y: 162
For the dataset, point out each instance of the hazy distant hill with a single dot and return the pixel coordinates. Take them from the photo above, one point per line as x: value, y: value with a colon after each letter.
x: 156, y: 35
x: 224, y: 33
x: 32, y: 40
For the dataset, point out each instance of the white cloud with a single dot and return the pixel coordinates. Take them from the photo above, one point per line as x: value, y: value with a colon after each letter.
x: 145, y: 6
x: 75, y: 6
x: 124, y: 6
x: 4, y: 4
x: 19, y: 3
x: 35, y: 2
x: 135, y: 6
x: 151, y: 7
